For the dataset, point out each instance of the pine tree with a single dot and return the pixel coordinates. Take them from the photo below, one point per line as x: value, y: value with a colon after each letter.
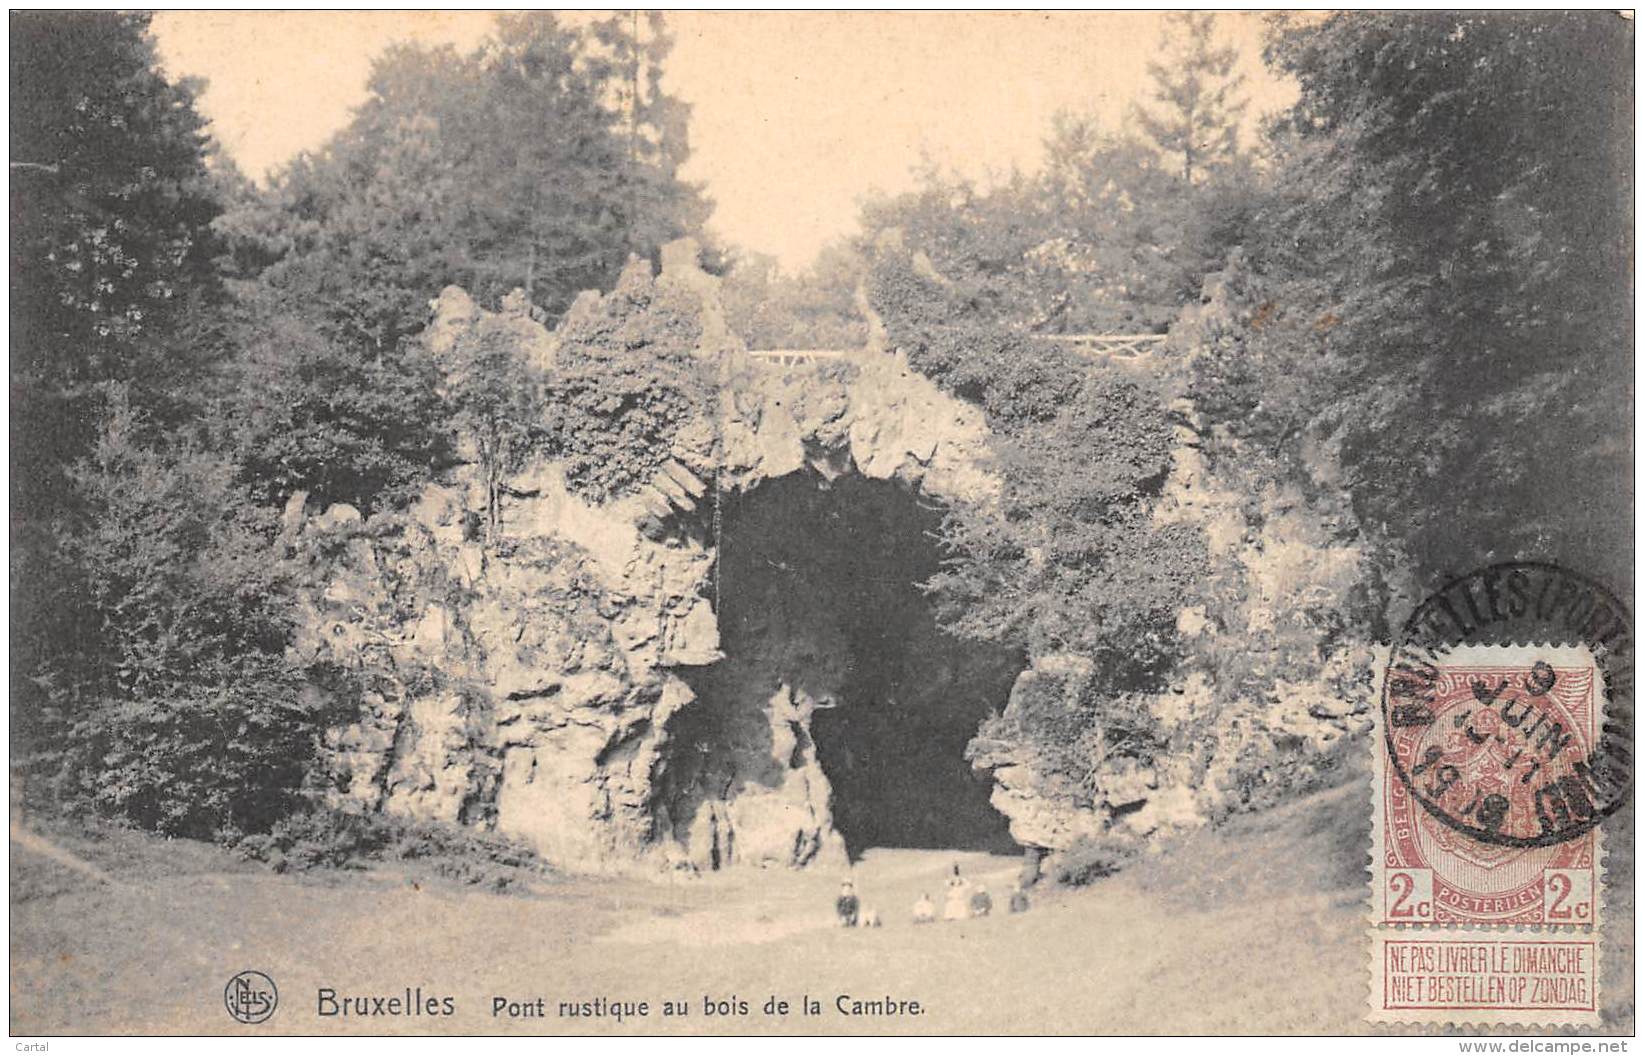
x: 654, y: 127
x: 1197, y: 94
x: 1118, y: 218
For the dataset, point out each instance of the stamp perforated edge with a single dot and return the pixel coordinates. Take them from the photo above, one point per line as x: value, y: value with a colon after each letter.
x: 1377, y: 933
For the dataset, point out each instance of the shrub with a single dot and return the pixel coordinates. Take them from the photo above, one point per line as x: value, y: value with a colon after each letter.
x: 302, y: 412
x: 1090, y: 858
x: 322, y: 838
x: 319, y: 839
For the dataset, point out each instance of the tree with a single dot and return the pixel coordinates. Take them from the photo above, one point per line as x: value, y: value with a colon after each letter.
x: 111, y: 245
x: 537, y: 162
x: 112, y: 287
x: 656, y: 132
x: 1069, y: 559
x: 984, y: 240
x: 528, y: 163
x: 1069, y: 562
x: 1441, y: 255
x: 626, y: 386
x: 174, y: 705
x: 298, y: 412
x: 357, y: 242
x: 1197, y: 94
x: 1119, y: 252
x: 813, y: 309
x: 497, y: 404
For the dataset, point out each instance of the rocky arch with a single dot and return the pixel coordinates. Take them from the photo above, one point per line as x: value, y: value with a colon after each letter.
x: 839, y: 717
x: 543, y: 686
x: 748, y: 776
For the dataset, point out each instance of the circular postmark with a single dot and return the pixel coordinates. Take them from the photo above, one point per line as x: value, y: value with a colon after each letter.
x: 250, y: 997
x: 1512, y: 750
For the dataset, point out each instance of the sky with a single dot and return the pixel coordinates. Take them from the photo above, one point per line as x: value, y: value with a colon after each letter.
x: 796, y: 116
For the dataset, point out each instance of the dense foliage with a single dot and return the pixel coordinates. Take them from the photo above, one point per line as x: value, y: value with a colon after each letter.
x: 527, y: 163
x: 1117, y: 230
x: 191, y: 353
x: 332, y: 839
x: 299, y: 413
x: 111, y: 269
x: 1391, y: 325
x: 1070, y: 559
x: 625, y: 384
x: 1196, y: 101
x: 1438, y: 280
x: 496, y: 404
x: 111, y: 244
x: 816, y: 308
x: 172, y: 704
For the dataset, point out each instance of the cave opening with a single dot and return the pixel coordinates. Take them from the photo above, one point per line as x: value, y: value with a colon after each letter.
x: 820, y: 604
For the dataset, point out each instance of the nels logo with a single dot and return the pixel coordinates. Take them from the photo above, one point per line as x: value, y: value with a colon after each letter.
x: 250, y: 997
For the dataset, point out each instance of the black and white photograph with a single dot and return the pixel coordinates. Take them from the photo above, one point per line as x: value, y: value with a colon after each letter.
x: 809, y: 523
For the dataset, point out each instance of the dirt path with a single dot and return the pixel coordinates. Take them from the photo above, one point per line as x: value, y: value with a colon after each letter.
x: 36, y: 844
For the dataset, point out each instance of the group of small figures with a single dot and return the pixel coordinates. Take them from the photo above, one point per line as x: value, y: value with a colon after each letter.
x: 964, y: 900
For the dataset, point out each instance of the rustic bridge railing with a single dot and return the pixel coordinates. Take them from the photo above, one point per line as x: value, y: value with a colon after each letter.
x: 1107, y: 344
x: 793, y: 357
x: 1097, y: 345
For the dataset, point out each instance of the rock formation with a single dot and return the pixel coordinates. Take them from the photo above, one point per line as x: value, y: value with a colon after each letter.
x: 539, y: 685
x: 565, y: 680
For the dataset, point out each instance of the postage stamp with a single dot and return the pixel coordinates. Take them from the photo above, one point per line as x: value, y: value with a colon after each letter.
x: 1502, y: 718
x: 1570, y: 754
x: 1486, y: 885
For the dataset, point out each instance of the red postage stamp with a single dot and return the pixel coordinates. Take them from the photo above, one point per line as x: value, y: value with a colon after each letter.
x: 1481, y: 786
x: 1501, y: 752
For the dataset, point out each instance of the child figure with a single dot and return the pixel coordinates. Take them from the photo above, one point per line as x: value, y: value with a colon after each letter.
x: 980, y: 903
x: 924, y: 911
x: 847, y: 905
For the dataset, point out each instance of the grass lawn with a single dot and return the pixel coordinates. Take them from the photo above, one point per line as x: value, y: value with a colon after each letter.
x: 1254, y: 927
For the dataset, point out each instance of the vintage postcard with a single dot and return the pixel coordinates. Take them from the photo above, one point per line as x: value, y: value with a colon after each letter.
x: 658, y: 523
